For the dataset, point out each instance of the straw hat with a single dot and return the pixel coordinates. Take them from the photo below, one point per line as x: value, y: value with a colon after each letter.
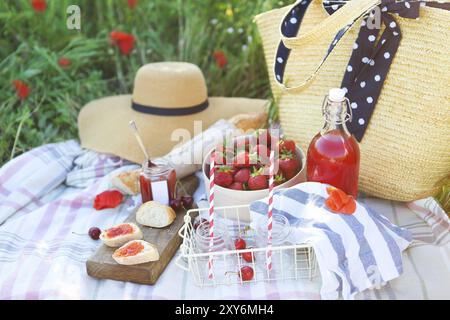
x: 166, y: 96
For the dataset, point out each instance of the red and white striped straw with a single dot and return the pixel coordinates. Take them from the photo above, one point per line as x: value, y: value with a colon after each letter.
x: 269, y: 211
x: 211, y: 213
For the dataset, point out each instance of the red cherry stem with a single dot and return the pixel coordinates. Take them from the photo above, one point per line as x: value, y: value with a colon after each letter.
x: 180, y: 185
x: 80, y: 234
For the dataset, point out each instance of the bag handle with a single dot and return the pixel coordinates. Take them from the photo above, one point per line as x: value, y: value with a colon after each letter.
x: 350, y: 12
x: 344, y: 18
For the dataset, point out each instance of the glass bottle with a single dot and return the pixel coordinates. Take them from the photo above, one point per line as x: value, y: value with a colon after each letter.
x: 157, y: 181
x: 333, y: 154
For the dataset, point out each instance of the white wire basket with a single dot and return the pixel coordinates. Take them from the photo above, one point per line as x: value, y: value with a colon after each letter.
x: 289, y: 262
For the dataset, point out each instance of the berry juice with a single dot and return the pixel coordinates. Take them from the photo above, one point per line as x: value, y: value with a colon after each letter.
x: 333, y: 158
x: 333, y: 154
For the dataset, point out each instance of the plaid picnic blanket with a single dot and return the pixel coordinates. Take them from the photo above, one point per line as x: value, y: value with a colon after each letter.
x: 47, y: 194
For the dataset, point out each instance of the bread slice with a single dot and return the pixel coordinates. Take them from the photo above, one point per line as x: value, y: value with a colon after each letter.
x: 249, y: 121
x: 121, y: 239
x: 127, y: 182
x: 155, y: 215
x: 136, y: 252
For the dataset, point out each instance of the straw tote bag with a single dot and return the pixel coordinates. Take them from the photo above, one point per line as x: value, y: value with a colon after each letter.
x: 397, y: 79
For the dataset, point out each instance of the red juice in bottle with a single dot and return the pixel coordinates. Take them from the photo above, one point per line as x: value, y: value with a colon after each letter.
x: 333, y: 154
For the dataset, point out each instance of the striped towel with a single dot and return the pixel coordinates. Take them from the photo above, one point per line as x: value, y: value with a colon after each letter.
x: 354, y: 252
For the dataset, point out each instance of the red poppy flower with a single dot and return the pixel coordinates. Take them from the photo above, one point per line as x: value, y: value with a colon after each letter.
x: 22, y: 89
x: 64, y: 62
x: 39, y: 5
x: 108, y: 199
x: 132, y: 3
x: 123, y: 40
x: 221, y: 59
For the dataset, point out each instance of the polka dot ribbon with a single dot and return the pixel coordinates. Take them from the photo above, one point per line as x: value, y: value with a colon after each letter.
x: 371, y: 57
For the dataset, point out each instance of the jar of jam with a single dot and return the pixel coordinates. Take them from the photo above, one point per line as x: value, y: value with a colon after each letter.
x: 333, y: 154
x: 158, y: 181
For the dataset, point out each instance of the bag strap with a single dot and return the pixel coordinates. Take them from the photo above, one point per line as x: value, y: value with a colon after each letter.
x: 347, y: 15
x: 338, y: 23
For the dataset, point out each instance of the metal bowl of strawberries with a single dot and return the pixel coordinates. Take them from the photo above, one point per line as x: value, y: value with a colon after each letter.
x: 242, y: 167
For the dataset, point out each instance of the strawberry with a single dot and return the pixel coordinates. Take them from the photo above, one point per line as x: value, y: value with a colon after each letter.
x: 224, y: 154
x: 244, y: 159
x: 261, y: 150
x: 236, y: 186
x: 263, y: 137
x: 279, y: 179
x: 258, y: 181
x: 289, y: 165
x: 242, y: 143
x: 242, y: 175
x: 223, y: 176
x: 287, y: 145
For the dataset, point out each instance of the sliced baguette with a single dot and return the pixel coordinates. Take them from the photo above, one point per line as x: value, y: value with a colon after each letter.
x: 148, y: 253
x: 155, y: 215
x: 127, y: 182
x: 121, y: 239
x: 249, y: 121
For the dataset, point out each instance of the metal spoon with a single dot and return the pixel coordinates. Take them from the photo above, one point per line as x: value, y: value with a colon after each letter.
x: 141, y: 144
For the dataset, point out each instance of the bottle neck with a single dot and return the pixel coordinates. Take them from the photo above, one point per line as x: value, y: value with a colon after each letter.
x: 336, y: 116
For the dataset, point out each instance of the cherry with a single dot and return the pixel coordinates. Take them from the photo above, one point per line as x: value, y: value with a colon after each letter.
x: 197, y: 222
x: 246, y: 273
x: 94, y: 233
x: 187, y: 201
x: 240, y: 244
x: 176, y: 204
x: 248, y: 256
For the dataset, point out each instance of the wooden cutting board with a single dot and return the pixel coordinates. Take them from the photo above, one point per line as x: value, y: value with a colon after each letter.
x: 102, y: 265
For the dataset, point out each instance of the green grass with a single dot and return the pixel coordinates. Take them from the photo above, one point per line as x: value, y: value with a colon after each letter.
x: 180, y: 30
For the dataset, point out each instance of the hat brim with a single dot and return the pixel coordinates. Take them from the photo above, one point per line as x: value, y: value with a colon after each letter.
x: 103, y: 124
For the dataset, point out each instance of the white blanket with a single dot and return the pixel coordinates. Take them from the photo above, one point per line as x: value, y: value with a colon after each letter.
x: 41, y: 257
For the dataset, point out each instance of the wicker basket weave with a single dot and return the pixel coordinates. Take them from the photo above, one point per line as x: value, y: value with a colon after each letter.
x: 405, y: 152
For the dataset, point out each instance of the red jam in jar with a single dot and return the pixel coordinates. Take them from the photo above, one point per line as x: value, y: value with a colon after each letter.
x: 333, y: 154
x: 157, y: 181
